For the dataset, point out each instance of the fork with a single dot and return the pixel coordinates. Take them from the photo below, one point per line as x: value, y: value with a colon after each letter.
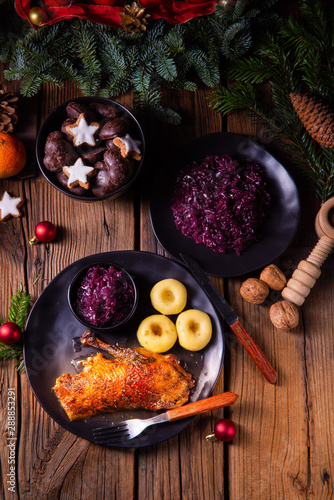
x: 117, y: 432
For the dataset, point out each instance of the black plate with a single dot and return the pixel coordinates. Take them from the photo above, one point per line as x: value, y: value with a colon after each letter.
x: 51, y: 331
x: 277, y: 230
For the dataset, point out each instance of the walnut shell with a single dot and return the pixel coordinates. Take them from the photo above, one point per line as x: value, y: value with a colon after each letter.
x: 284, y: 315
x: 254, y: 290
x: 274, y: 277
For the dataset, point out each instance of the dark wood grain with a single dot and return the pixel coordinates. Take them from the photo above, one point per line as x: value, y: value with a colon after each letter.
x: 278, y: 443
x: 284, y: 446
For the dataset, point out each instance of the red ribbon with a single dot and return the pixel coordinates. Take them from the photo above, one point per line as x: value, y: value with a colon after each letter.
x: 107, y: 11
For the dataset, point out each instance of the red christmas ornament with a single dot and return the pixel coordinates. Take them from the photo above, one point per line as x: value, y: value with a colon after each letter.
x: 45, y: 232
x: 224, y: 430
x: 10, y: 333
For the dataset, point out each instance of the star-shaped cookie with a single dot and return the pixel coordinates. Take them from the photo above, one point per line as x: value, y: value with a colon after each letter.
x: 128, y: 146
x: 83, y: 132
x: 9, y: 206
x: 79, y: 174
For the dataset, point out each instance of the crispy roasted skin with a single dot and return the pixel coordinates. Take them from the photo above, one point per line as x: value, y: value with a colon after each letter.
x: 135, y: 379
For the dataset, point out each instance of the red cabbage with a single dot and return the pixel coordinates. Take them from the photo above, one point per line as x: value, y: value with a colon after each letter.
x: 105, y: 296
x: 221, y: 203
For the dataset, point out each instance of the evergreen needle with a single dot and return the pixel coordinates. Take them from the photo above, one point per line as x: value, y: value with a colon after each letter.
x: 297, y: 58
x: 17, y: 313
x: 108, y: 61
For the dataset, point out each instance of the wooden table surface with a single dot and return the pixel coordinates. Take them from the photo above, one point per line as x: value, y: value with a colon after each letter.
x: 284, y: 446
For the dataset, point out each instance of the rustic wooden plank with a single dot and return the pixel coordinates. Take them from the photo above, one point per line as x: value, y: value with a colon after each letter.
x: 58, y: 462
x: 257, y: 448
x: 284, y: 442
x: 197, y: 119
x: 271, y: 455
x: 318, y: 314
x: 9, y: 428
x: 187, y: 459
x: 12, y: 272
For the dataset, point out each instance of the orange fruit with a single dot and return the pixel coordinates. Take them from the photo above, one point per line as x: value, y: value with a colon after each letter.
x: 12, y: 155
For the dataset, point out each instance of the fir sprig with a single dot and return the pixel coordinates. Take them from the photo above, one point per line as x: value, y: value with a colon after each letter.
x: 298, y: 57
x: 108, y: 62
x: 17, y: 313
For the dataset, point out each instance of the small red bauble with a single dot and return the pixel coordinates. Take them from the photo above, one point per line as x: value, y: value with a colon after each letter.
x: 224, y: 430
x: 45, y: 232
x: 10, y: 333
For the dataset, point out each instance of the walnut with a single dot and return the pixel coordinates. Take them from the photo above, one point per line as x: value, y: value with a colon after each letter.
x: 284, y: 315
x: 274, y: 277
x: 254, y: 290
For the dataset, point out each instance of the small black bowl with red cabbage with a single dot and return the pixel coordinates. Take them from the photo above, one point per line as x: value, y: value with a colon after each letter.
x: 102, y: 296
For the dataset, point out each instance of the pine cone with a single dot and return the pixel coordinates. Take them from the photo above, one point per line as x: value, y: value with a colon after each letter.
x: 134, y: 18
x: 316, y: 118
x: 8, y: 110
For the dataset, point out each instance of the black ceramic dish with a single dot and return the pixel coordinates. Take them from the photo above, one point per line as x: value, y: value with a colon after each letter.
x: 52, y: 346
x: 277, y: 230
x: 53, y: 123
x: 73, y: 296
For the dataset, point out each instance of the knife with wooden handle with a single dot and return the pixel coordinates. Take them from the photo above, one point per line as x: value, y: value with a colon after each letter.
x: 231, y: 319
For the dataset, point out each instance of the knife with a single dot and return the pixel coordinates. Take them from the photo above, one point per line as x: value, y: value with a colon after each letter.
x: 231, y: 319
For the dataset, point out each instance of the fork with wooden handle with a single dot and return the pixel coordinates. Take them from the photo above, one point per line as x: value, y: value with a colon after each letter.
x: 117, y: 432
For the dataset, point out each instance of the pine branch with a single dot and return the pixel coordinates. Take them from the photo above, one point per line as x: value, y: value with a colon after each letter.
x: 164, y: 64
x: 292, y: 59
x: 251, y: 70
x: 18, y: 313
x: 239, y: 9
x: 237, y: 40
x: 13, y: 352
x: 225, y: 100
x: 107, y: 61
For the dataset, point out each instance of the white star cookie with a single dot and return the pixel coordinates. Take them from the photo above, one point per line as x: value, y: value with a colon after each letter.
x: 82, y: 131
x: 79, y: 174
x: 128, y: 146
x: 9, y: 206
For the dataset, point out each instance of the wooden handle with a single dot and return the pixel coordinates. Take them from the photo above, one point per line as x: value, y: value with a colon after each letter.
x: 212, y: 403
x: 308, y: 271
x: 255, y: 352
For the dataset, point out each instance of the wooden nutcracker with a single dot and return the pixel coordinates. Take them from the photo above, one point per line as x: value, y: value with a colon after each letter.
x: 283, y: 314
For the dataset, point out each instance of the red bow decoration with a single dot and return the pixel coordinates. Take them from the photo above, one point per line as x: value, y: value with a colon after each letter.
x: 108, y: 11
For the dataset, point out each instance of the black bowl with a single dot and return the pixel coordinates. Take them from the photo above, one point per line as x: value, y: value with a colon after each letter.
x: 53, y: 123
x: 73, y: 292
